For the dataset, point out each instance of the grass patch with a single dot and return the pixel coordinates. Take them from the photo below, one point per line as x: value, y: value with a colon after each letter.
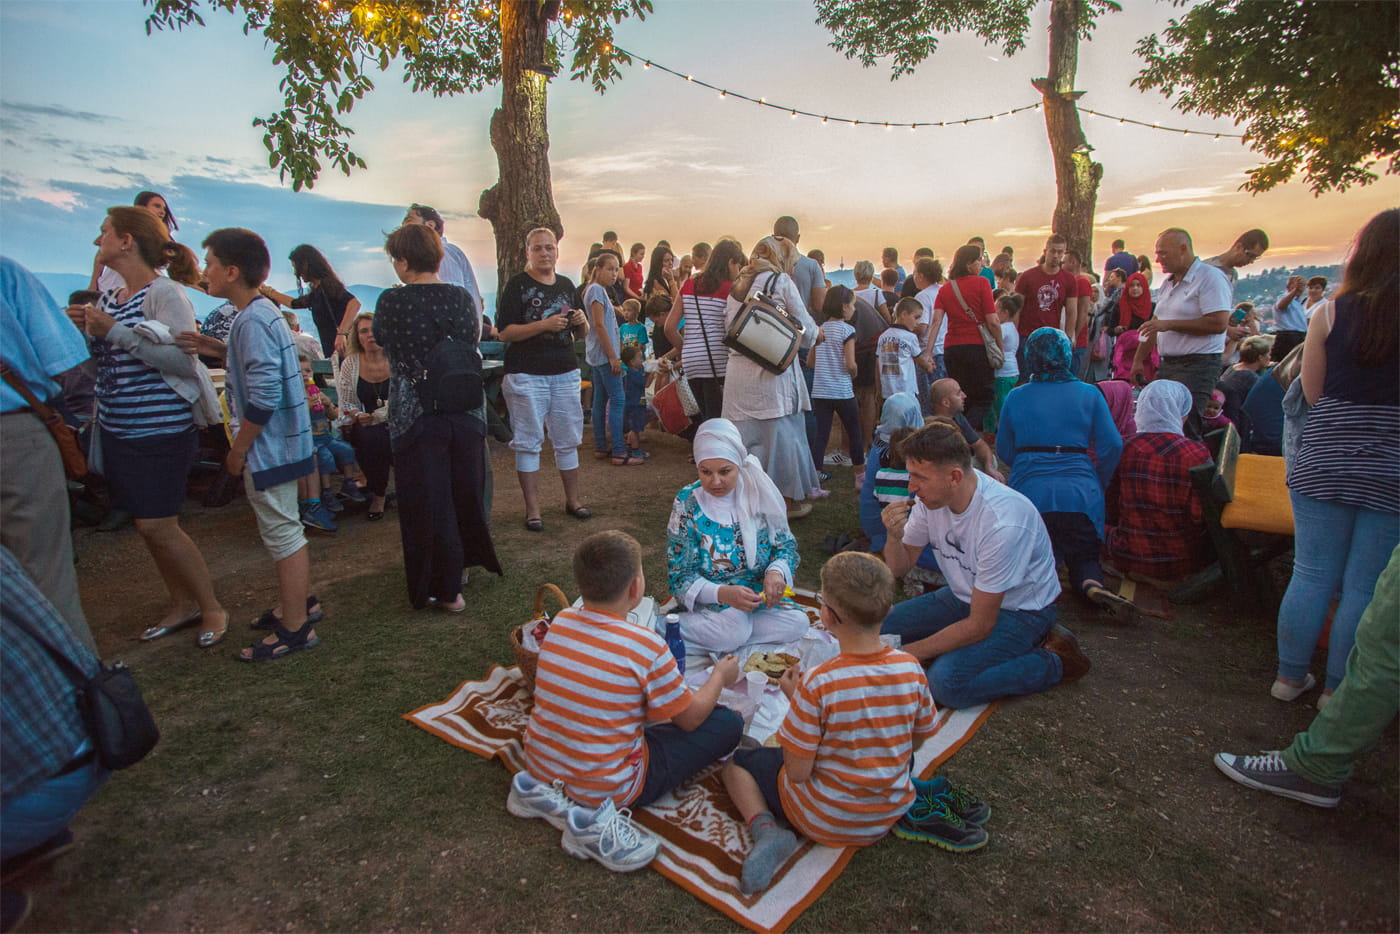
x: 292, y: 796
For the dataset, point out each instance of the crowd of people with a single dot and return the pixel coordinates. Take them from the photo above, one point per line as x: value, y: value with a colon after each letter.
x: 998, y: 426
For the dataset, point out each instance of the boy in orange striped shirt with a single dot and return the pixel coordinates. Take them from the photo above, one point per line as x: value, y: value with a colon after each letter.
x: 842, y: 774
x: 588, y: 748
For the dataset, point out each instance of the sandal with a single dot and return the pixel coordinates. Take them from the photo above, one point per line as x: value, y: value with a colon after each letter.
x: 287, y: 643
x: 535, y: 524
x: 270, y: 620
x: 157, y: 631
x: 582, y: 513
x: 628, y: 460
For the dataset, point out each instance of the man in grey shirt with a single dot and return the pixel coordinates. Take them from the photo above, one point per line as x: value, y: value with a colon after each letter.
x: 454, y: 267
x: 1250, y: 245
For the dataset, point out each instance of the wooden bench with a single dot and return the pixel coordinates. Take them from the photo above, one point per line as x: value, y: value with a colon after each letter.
x: 1249, y: 516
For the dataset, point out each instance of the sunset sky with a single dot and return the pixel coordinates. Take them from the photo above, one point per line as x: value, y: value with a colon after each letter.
x: 93, y: 110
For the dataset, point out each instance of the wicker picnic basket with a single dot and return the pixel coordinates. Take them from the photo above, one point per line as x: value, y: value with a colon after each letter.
x: 525, y: 658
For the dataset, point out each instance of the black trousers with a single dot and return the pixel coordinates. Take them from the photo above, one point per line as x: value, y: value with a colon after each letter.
x: 441, y: 472
x: 967, y: 363
x: 374, y: 455
x: 1076, y: 543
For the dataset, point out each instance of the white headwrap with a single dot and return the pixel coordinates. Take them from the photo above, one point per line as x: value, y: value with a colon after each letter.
x: 1161, y: 407
x: 754, y: 495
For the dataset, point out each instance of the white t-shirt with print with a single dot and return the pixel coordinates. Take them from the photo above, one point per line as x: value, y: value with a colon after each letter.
x: 895, y: 353
x: 998, y: 545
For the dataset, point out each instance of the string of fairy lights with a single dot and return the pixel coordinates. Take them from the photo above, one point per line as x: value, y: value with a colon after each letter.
x: 827, y: 118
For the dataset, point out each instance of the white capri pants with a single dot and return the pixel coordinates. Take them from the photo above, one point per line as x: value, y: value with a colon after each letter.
x: 729, y: 629
x: 540, y: 402
x: 279, y: 519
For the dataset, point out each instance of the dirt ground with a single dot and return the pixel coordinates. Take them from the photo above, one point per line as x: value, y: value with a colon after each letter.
x: 1108, y: 814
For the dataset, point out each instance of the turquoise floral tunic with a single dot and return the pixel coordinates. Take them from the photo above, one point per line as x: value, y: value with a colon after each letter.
x: 699, y: 547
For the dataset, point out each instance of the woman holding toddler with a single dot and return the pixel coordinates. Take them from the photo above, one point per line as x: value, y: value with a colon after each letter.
x: 730, y: 556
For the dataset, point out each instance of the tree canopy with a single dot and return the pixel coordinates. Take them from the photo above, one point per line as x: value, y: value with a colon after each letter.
x: 329, y: 49
x: 907, y: 31
x: 1314, y: 83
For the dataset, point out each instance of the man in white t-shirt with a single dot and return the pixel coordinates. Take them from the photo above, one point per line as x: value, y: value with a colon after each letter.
x: 1188, y: 325
x: 991, y: 632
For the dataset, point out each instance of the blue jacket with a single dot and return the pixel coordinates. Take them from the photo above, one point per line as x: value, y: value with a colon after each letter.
x: 265, y: 388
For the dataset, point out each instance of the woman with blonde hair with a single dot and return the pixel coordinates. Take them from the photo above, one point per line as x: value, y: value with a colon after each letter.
x: 151, y: 399
x: 362, y: 386
x: 767, y: 408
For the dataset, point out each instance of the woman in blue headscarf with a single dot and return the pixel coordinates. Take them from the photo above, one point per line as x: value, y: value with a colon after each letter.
x: 1049, y: 428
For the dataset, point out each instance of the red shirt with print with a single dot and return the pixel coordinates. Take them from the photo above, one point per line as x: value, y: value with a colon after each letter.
x: 1045, y: 299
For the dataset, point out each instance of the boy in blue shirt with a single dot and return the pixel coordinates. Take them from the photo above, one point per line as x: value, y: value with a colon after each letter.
x: 272, y: 446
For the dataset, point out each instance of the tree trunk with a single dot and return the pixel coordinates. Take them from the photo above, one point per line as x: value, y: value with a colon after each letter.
x: 1076, y: 174
x: 523, y: 198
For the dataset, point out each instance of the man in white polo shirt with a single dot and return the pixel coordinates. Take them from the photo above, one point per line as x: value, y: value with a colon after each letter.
x: 1188, y: 326
x: 991, y: 632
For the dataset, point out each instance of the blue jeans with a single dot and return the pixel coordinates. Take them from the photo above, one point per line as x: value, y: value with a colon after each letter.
x: 34, y: 817
x: 673, y: 754
x: 1008, y: 661
x: 1337, y: 548
x: 609, y: 401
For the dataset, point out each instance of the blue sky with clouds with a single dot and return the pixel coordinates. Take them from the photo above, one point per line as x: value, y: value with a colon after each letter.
x: 93, y: 110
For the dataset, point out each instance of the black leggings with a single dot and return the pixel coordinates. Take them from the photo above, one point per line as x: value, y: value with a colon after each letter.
x: 967, y: 363
x: 372, y: 452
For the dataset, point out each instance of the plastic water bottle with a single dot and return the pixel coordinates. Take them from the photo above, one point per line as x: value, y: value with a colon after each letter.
x: 674, y: 640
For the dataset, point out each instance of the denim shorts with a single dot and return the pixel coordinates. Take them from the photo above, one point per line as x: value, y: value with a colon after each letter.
x: 764, y: 764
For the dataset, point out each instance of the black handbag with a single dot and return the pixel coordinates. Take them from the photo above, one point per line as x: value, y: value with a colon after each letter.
x: 120, y: 724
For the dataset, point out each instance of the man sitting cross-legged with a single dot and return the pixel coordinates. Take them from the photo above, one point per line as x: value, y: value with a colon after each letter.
x: 991, y: 632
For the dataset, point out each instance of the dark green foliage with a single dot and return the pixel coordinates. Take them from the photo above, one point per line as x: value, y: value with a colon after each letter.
x: 1314, y: 84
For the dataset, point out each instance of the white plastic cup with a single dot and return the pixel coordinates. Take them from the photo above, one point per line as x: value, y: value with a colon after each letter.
x: 755, y: 683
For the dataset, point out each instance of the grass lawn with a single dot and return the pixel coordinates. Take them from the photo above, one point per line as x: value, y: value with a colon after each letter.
x: 292, y: 796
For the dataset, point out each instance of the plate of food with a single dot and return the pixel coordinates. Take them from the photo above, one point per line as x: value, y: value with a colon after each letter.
x: 771, y: 664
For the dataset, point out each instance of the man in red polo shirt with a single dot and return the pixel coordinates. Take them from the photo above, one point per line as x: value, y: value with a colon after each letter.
x: 1046, y: 289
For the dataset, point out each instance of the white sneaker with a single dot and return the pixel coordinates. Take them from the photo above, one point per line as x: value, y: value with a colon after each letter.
x: 608, y: 836
x: 530, y: 797
x: 1288, y: 692
x: 837, y: 459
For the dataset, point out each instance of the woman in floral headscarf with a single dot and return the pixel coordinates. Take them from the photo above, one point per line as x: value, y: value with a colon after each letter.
x: 729, y: 553
x: 1048, y: 429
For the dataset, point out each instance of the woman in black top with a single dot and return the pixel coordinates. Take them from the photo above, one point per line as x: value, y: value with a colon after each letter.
x: 333, y: 308
x: 539, y: 322
x: 439, y: 459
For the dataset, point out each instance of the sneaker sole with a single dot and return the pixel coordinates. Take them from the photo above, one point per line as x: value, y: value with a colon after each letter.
x: 519, y: 808
x: 976, y: 844
x: 1315, y: 800
x: 579, y: 851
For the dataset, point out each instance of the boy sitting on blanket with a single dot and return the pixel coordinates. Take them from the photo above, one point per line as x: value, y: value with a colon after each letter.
x: 841, y: 776
x: 588, y: 750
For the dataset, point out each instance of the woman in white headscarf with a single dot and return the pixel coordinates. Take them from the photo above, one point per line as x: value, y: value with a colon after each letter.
x: 1155, y: 530
x: 767, y: 407
x: 729, y: 553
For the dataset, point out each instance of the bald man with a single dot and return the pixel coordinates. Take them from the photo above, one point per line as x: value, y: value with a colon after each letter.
x: 947, y: 399
x: 1188, y: 325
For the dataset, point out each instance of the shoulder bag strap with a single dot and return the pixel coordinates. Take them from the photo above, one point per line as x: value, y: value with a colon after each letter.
x: 704, y: 333
x: 19, y: 386
x: 957, y: 293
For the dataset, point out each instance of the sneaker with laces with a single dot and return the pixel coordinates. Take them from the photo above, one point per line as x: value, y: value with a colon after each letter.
x: 608, y: 835
x: 932, y: 820
x: 1266, y: 771
x: 963, y: 802
x: 330, y: 500
x: 837, y: 459
x: 318, y: 517
x: 351, y: 492
x: 529, y: 797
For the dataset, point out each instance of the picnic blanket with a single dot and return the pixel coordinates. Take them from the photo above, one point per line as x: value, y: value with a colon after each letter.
x: 703, y: 837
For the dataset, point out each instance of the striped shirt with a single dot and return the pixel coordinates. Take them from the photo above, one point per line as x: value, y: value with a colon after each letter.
x: 832, y: 380
x: 891, y: 485
x: 133, y: 399
x: 600, y: 679
x: 704, y: 320
x: 1350, y: 453
x: 858, y: 716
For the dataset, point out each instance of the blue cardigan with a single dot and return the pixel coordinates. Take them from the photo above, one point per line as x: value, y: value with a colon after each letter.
x: 265, y: 388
